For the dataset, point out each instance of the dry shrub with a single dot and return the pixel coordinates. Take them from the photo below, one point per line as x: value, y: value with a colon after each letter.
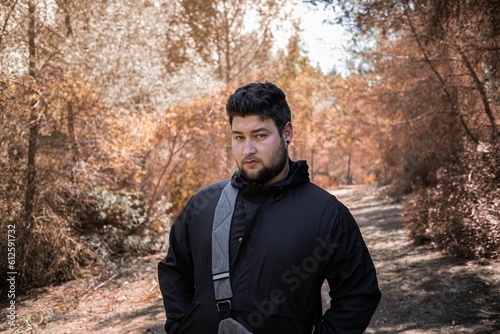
x: 114, y: 221
x: 48, y: 250
x: 51, y: 252
x: 460, y: 214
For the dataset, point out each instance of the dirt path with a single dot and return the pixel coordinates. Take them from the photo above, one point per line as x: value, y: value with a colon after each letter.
x: 423, y: 291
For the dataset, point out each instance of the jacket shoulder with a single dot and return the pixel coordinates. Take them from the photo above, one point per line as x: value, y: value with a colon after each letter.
x: 209, y: 193
x: 321, y: 194
x: 214, y: 187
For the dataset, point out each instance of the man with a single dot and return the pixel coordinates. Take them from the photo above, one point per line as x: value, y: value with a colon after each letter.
x: 286, y: 237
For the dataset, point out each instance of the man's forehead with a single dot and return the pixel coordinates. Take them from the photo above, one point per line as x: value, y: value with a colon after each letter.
x: 253, y: 122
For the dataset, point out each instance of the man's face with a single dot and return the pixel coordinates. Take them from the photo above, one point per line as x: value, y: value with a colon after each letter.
x: 259, y: 150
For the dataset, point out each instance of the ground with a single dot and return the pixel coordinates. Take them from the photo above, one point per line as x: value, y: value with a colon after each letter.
x: 423, y: 290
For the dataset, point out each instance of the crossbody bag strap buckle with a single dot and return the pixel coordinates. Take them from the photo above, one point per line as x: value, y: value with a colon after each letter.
x: 224, y: 305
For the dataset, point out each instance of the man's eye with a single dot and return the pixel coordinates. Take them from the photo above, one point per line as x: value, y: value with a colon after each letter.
x: 238, y: 138
x: 261, y: 136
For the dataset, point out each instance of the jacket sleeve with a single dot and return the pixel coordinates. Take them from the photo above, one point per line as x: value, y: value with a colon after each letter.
x: 175, y: 272
x: 352, y: 279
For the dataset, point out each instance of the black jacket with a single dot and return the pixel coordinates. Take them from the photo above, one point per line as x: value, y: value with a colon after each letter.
x: 285, y: 240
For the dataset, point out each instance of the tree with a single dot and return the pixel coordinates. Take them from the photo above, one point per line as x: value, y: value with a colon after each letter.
x: 234, y: 35
x: 433, y: 88
x: 44, y: 226
x: 434, y: 62
x: 456, y: 40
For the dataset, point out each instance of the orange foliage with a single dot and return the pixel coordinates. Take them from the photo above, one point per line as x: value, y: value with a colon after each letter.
x: 191, y: 149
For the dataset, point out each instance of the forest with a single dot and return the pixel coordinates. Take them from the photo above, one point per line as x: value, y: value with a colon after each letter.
x: 112, y: 114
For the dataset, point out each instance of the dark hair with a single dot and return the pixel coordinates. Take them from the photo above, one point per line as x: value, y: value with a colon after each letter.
x: 264, y: 99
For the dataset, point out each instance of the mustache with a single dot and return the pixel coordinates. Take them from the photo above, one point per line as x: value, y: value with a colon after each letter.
x: 250, y: 158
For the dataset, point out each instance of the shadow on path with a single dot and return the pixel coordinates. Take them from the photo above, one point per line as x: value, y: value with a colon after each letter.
x: 136, y: 320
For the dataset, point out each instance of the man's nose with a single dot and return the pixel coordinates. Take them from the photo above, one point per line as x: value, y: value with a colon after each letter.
x: 249, y: 148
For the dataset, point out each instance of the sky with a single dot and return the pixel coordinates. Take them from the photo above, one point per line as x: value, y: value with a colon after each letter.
x: 324, y: 42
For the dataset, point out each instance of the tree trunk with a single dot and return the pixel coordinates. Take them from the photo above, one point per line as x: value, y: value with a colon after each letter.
x: 33, y: 125
x: 312, y: 165
x: 349, y: 177
x: 31, y: 38
x: 71, y: 130
x: 482, y: 92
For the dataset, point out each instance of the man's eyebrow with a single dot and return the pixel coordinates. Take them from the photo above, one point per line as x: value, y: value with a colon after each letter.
x: 253, y: 131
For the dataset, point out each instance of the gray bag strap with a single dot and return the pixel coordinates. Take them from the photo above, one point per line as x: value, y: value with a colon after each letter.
x: 220, y: 243
x: 220, y: 260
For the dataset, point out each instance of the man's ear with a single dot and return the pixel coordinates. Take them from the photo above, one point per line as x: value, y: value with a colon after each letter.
x: 288, y: 132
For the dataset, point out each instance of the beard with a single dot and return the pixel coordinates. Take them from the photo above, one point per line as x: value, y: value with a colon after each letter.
x: 268, y: 171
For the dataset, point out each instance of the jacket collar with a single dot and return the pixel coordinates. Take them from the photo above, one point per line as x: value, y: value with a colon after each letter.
x: 298, y: 174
